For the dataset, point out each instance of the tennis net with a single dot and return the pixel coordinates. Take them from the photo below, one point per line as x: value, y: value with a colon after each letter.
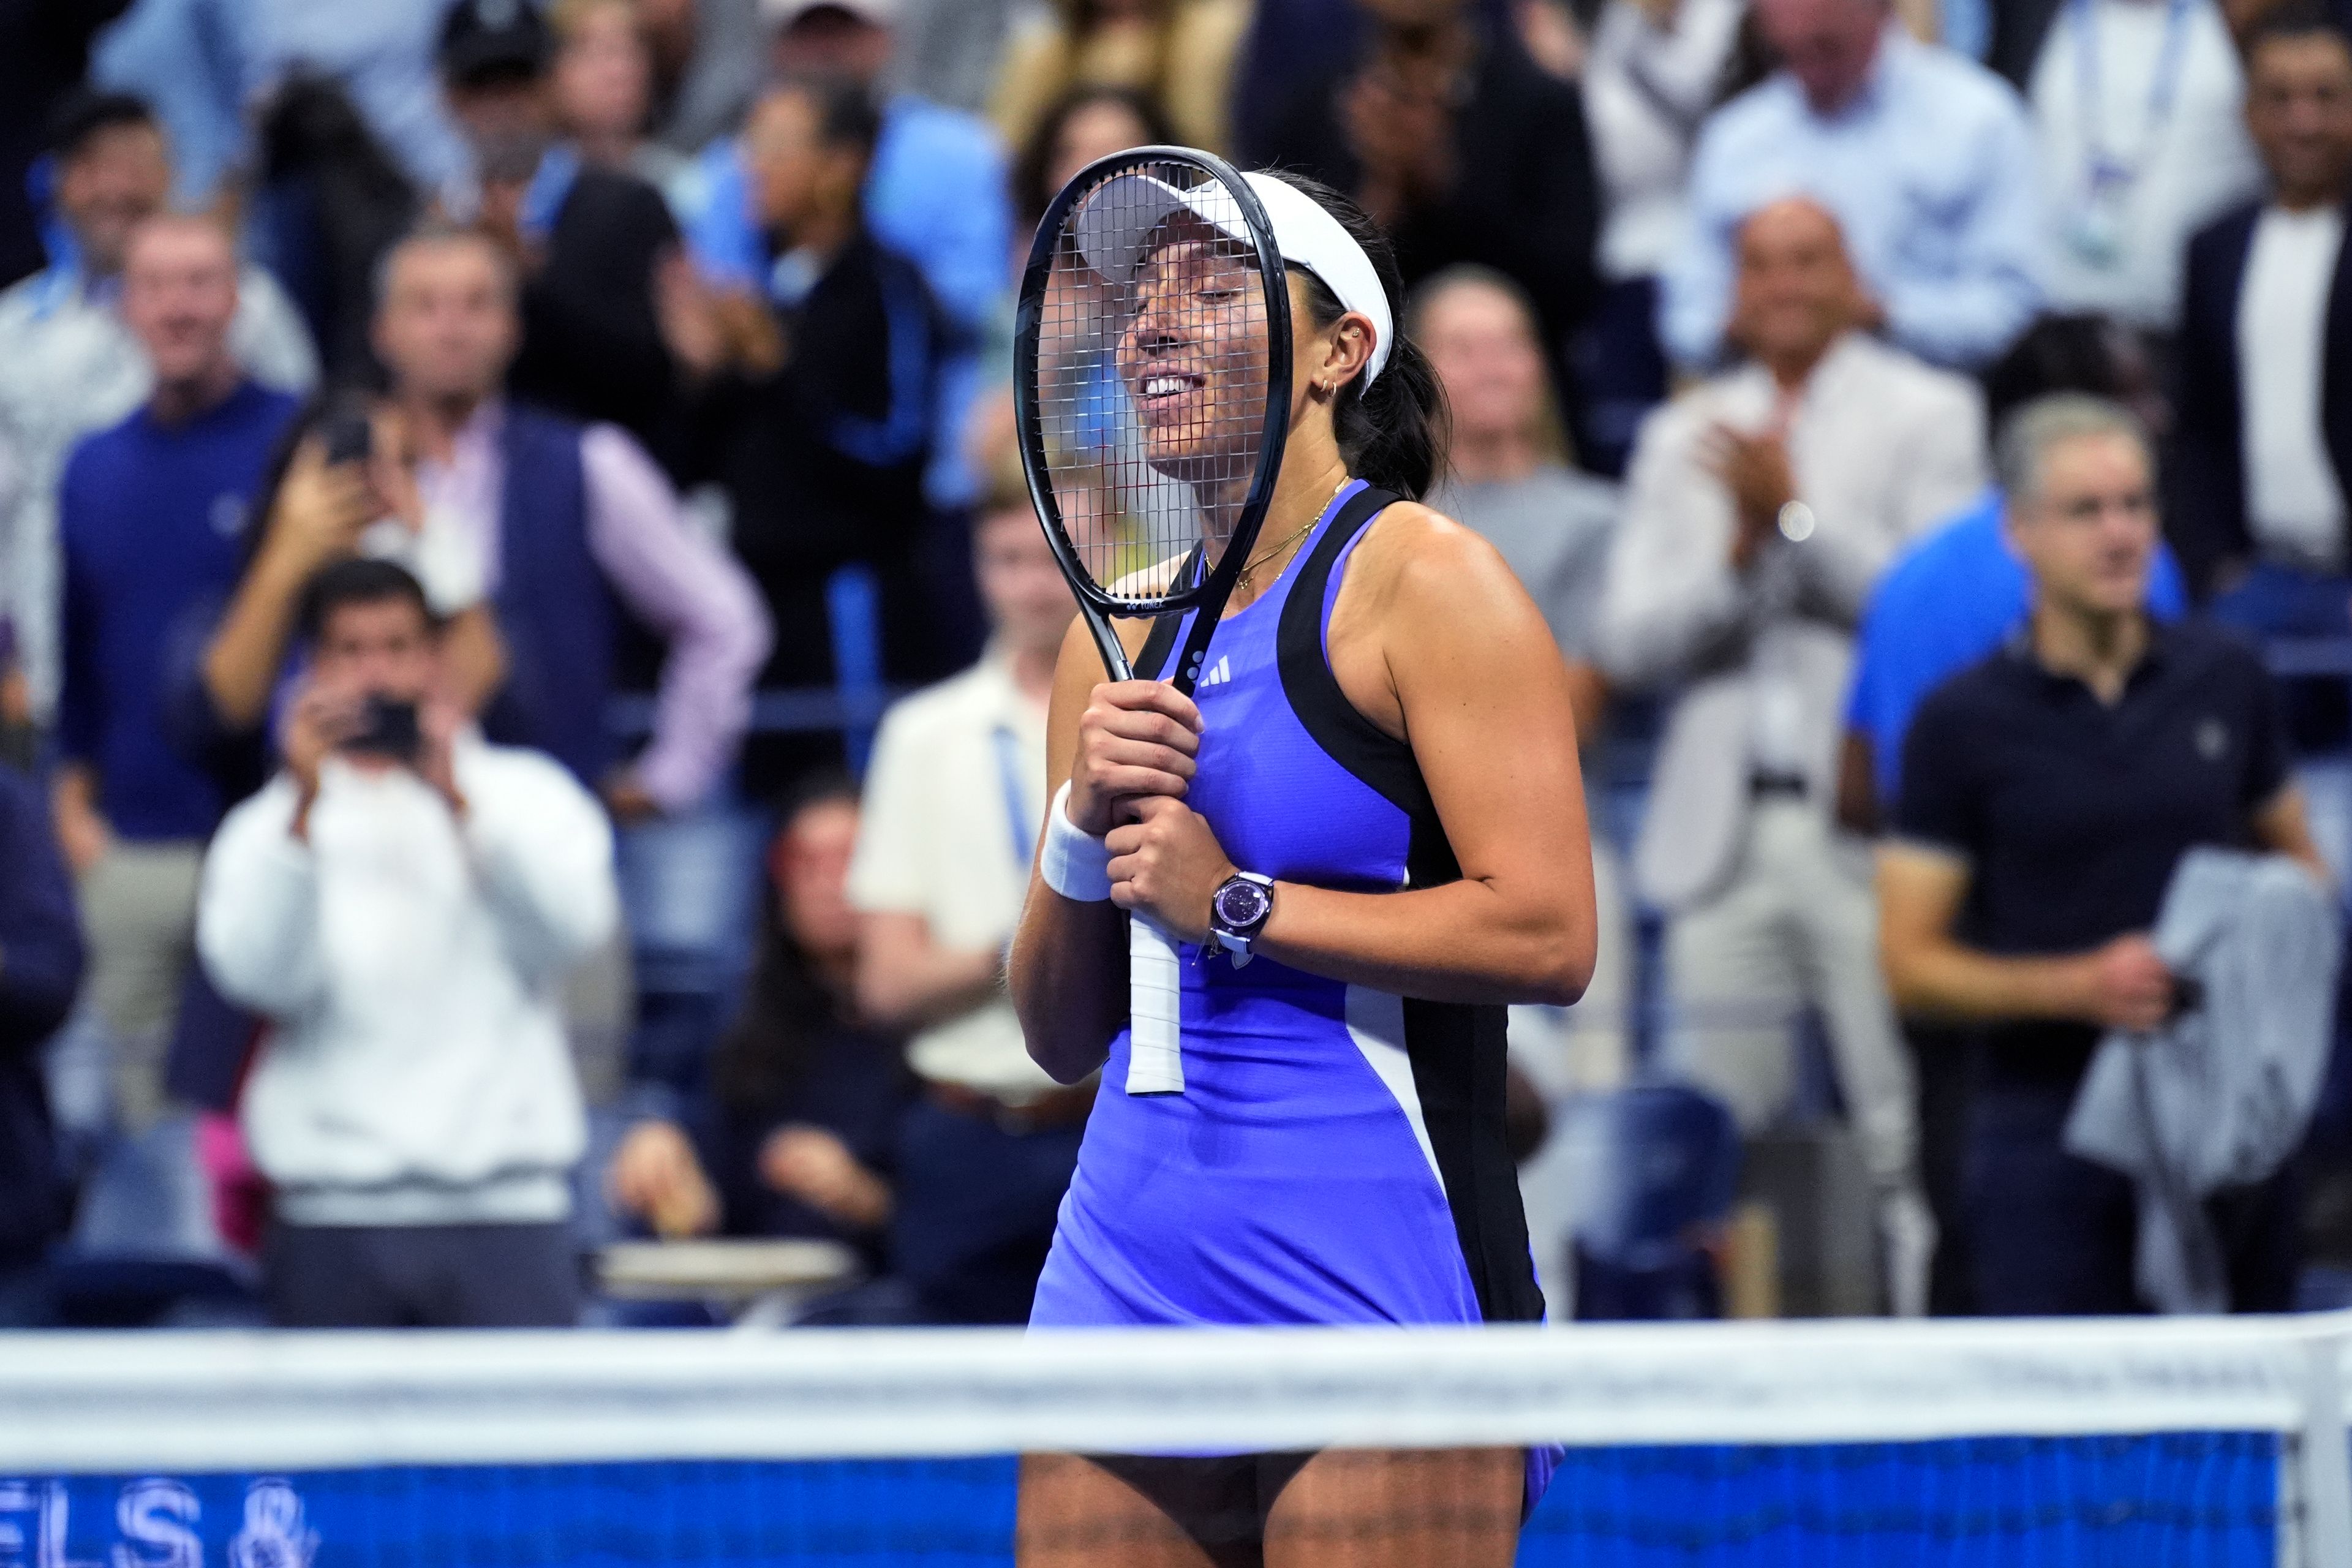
x: 2190, y: 1442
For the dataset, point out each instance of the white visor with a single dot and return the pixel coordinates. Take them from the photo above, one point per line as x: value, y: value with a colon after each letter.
x: 1115, y: 233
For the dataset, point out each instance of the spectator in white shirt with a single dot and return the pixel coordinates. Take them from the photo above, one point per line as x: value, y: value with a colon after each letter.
x: 1762, y: 507
x: 402, y: 902
x: 2262, y: 452
x: 2137, y: 109
x: 952, y: 805
x: 2261, y: 465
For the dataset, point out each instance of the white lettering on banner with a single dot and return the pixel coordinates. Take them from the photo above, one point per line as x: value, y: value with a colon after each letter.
x: 57, y: 1512
x: 49, y: 1508
x: 15, y: 1497
x: 274, y: 1535
x: 156, y: 1521
x: 158, y: 1515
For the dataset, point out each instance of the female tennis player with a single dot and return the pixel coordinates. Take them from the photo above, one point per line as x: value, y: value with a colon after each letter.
x: 1368, y: 836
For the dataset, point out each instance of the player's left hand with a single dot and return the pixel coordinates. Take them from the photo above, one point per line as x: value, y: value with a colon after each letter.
x: 1166, y: 865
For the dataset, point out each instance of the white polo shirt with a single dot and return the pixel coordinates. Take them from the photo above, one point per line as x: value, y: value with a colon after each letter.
x: 2294, y: 503
x: 2183, y: 139
x: 954, y: 796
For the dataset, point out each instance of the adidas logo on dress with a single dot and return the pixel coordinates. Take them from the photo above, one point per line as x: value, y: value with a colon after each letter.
x: 1218, y: 674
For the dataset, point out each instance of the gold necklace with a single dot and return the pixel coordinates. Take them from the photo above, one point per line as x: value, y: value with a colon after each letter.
x: 1247, y: 570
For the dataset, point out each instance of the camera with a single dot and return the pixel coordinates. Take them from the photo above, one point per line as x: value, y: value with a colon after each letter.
x: 391, y: 731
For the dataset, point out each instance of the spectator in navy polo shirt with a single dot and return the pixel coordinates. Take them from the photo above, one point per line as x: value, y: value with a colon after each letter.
x: 2047, y: 793
x: 151, y: 515
x: 1948, y: 601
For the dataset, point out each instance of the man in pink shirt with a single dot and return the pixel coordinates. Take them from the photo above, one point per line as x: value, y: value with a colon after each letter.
x: 572, y: 527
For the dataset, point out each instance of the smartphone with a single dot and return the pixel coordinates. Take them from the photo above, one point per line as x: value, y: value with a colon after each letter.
x: 349, y: 434
x: 391, y: 731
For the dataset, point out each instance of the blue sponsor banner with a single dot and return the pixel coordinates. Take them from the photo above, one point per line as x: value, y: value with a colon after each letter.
x: 2208, y: 1498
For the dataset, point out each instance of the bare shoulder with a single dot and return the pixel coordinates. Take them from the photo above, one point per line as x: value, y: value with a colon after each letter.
x: 1428, y: 611
x: 1424, y: 599
x: 1415, y: 556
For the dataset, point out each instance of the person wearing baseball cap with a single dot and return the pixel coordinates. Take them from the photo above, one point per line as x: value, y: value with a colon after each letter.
x: 585, y: 240
x: 487, y: 42
x: 856, y: 33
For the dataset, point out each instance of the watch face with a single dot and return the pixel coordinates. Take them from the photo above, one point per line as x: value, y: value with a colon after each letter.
x: 1241, y: 905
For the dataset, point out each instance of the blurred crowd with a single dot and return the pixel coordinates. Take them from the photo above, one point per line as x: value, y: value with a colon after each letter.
x: 524, y: 643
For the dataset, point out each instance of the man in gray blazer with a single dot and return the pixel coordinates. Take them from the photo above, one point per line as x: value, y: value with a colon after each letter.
x: 1760, y: 507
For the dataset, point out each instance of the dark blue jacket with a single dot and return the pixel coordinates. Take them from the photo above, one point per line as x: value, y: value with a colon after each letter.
x: 554, y: 607
x: 2205, y: 504
x: 40, y: 968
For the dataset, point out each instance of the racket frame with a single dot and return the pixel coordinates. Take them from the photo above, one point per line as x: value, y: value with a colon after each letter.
x: 1100, y: 606
x: 1155, y: 1063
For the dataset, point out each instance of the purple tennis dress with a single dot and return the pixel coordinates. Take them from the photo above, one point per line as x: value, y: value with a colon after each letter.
x: 1338, y: 1155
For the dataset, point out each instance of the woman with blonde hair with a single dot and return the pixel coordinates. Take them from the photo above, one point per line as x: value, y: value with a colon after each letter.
x: 1178, y: 53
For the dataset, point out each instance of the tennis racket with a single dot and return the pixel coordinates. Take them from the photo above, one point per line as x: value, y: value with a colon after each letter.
x: 1152, y: 380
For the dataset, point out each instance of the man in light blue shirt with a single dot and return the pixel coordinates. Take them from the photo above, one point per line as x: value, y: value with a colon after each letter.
x: 1925, y: 158
x: 936, y: 195
x: 203, y: 63
x: 189, y: 59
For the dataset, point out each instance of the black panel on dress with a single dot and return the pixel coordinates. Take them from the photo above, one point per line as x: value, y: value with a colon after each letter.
x: 1458, y: 1050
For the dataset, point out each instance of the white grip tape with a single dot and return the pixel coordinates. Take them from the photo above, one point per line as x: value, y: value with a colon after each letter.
x: 1155, y: 1060
x: 1074, y: 862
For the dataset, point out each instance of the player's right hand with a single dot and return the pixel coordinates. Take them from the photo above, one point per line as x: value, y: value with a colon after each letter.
x: 320, y: 511
x: 1137, y: 737
x: 320, y: 719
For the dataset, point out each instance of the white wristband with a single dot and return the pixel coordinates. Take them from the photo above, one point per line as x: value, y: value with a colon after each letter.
x: 1074, y: 862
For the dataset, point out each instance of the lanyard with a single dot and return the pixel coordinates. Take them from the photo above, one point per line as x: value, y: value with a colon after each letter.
x: 1016, y: 810
x: 550, y: 188
x: 2107, y: 169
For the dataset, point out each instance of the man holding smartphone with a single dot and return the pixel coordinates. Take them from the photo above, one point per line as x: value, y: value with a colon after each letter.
x: 403, y: 902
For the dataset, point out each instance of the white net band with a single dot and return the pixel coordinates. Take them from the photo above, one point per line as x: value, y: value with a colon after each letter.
x: 73, y: 1403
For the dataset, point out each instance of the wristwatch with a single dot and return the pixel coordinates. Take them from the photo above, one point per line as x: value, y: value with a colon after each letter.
x: 1238, y: 911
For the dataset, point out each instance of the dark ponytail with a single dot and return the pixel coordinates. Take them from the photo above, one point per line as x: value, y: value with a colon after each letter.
x: 1391, y: 434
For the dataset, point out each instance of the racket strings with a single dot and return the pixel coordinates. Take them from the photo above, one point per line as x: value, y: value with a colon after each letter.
x: 1152, y: 375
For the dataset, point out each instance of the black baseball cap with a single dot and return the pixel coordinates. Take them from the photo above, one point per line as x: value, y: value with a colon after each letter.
x: 483, y: 40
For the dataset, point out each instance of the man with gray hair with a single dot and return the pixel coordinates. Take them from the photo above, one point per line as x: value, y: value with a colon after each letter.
x: 2047, y: 794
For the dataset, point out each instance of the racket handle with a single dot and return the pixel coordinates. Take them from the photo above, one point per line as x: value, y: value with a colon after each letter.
x: 1155, y: 1058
